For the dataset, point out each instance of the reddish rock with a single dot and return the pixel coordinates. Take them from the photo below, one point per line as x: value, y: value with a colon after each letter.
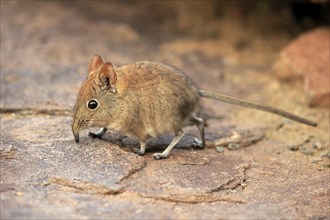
x: 307, y: 57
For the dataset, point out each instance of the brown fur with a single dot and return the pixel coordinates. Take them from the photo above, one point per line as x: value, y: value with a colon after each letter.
x: 145, y: 99
x: 151, y: 99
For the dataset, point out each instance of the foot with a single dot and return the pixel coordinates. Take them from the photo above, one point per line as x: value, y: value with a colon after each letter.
x: 94, y: 134
x: 98, y: 134
x: 139, y: 152
x: 198, y: 143
x: 158, y: 156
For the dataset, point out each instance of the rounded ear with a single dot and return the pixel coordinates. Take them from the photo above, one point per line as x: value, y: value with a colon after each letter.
x: 108, y: 77
x: 96, y: 63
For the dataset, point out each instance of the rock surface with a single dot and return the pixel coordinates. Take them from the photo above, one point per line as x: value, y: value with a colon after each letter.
x: 308, y: 57
x: 45, y: 50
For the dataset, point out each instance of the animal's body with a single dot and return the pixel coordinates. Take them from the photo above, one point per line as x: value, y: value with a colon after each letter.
x: 146, y: 99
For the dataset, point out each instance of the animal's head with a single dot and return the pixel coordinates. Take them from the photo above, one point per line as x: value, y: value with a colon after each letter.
x: 93, y: 105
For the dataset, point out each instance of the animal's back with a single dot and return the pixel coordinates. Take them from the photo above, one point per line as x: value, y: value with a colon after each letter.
x: 159, y: 97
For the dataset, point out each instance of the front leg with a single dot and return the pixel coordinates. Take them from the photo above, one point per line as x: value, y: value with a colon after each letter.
x: 142, y: 149
x: 178, y: 135
x: 98, y: 134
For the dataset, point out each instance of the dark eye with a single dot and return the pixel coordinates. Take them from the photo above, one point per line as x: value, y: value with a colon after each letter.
x: 92, y: 104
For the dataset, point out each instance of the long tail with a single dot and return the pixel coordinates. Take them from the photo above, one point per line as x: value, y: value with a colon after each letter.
x: 254, y: 105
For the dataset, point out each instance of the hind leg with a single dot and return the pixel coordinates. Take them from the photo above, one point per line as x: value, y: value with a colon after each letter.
x: 199, y: 122
x: 178, y: 135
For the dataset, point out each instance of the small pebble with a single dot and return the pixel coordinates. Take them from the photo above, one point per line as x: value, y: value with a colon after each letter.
x: 316, y: 160
x: 307, y: 151
x: 327, y: 154
x: 293, y: 147
x: 317, y: 146
x: 233, y: 146
x: 220, y: 149
x: 232, y: 190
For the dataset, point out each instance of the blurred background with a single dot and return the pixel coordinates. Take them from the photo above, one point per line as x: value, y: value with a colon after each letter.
x: 46, y: 45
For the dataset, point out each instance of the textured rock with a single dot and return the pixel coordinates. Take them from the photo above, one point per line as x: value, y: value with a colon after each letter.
x: 51, y: 152
x: 43, y: 75
x: 308, y: 57
x: 48, y: 171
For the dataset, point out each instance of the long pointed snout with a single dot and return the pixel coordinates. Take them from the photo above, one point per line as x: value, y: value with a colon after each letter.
x: 75, y: 131
x: 76, y: 137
